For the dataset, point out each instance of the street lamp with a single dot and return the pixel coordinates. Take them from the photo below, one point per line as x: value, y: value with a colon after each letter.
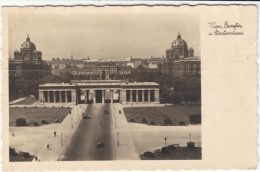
x: 165, y: 139
x: 61, y: 141
x: 118, y: 138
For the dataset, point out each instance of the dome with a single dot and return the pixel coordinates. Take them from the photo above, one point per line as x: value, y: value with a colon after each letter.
x: 28, y: 44
x: 180, y: 43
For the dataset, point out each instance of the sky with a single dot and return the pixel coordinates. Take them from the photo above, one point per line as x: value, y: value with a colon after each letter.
x: 106, y: 36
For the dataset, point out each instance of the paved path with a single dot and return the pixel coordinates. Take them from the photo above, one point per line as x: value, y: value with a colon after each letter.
x: 17, y: 100
x: 64, y: 133
x: 36, y: 104
x: 125, y: 147
x: 83, y: 143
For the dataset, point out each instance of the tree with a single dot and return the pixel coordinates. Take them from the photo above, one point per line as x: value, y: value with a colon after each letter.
x: 20, y: 122
x: 167, y: 121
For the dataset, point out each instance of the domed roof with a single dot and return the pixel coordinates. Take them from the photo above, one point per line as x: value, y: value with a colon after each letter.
x: 180, y: 43
x: 28, y: 44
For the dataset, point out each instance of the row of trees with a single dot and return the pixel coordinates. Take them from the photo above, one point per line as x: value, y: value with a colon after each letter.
x: 173, y: 89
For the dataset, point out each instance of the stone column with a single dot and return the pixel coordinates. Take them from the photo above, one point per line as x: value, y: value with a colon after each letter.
x: 137, y: 96
x: 54, y: 96
x: 142, y: 95
x: 103, y: 96
x: 111, y: 96
x: 74, y: 97
x: 60, y: 96
x: 94, y: 97
x: 86, y: 96
x: 123, y: 96
x: 156, y: 96
x: 131, y: 96
x: 149, y: 94
x: 41, y: 96
x: 48, y: 96
x: 66, y: 96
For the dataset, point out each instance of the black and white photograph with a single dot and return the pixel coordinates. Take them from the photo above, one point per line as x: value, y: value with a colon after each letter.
x: 101, y: 87
x: 129, y: 87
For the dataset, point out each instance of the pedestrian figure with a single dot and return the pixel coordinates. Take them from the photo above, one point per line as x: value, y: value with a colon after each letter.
x: 48, y: 146
x: 36, y: 158
x: 13, y: 134
x: 54, y: 133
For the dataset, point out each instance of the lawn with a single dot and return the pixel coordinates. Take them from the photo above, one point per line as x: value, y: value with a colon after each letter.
x: 33, y: 114
x: 157, y: 115
x: 27, y: 101
x: 180, y: 153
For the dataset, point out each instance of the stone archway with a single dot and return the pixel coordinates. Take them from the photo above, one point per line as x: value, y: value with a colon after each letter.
x: 116, y: 96
x: 91, y: 96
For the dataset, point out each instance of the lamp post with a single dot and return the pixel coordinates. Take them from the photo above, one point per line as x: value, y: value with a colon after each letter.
x: 61, y: 141
x: 71, y: 120
x: 165, y: 139
x: 118, y: 138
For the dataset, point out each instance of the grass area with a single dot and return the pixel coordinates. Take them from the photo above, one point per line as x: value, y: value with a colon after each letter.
x: 32, y: 114
x: 157, y: 115
x: 27, y: 101
x: 180, y: 153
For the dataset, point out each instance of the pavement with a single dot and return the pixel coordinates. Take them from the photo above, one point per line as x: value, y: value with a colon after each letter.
x: 124, y: 144
x: 150, y: 138
x: 95, y: 128
x: 63, y: 134
x: 37, y: 104
x: 17, y: 100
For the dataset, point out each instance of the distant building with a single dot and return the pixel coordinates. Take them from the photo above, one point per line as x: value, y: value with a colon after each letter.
x: 105, y: 71
x: 180, y: 60
x: 27, y: 63
x: 187, y: 67
x: 124, y: 70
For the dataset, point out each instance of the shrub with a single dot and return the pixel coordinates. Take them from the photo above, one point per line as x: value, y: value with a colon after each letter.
x: 12, y: 151
x: 24, y: 106
x: 52, y: 106
x: 35, y: 123
x: 164, y: 150
x: 44, y: 106
x: 152, y: 123
x: 44, y: 122
x: 195, y: 119
x: 26, y: 155
x: 61, y: 106
x: 35, y: 106
x: 170, y: 147
x: 56, y: 120
x: 132, y: 120
x: 167, y: 121
x: 191, y: 145
x: 182, y: 123
x: 144, y: 120
x: 20, y: 122
x: 149, y: 154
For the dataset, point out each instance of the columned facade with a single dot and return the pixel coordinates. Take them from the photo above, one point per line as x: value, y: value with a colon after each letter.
x: 123, y: 92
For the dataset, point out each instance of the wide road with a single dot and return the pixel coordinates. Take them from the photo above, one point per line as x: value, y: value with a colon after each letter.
x: 83, y: 142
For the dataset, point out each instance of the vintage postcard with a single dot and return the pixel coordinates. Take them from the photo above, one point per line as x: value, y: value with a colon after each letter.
x: 129, y: 87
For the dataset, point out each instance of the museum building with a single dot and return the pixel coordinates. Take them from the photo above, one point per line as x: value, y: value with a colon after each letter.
x: 180, y: 60
x: 28, y: 63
